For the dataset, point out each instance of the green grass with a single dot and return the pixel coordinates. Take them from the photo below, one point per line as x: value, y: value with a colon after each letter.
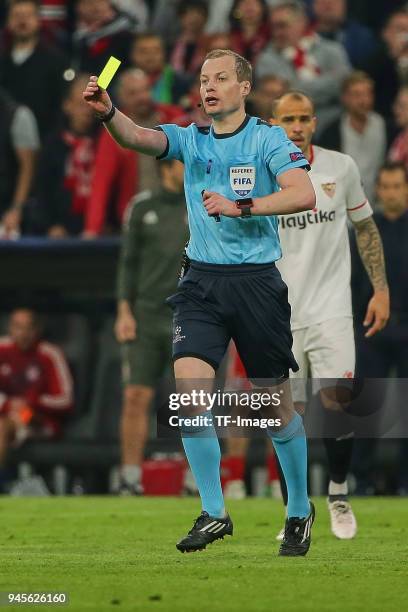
x: 119, y: 554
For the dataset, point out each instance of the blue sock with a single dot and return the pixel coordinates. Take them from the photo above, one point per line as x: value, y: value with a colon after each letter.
x: 204, y: 456
x: 290, y: 447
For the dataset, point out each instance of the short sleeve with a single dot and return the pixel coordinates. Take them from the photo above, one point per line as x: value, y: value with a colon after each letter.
x: 280, y: 152
x: 24, y: 130
x: 175, y: 140
x: 358, y: 206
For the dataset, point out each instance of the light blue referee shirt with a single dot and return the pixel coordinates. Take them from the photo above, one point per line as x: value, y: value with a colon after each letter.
x: 243, y: 164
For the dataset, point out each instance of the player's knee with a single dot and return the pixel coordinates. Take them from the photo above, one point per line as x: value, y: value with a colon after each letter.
x: 137, y: 397
x: 190, y: 368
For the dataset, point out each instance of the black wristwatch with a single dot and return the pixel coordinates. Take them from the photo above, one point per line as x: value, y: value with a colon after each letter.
x: 245, y: 206
x: 108, y: 116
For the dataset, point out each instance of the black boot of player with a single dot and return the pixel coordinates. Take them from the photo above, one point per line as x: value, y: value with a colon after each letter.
x: 206, y: 529
x: 297, y: 538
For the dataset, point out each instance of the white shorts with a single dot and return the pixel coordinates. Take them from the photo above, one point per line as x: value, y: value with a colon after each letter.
x: 324, y: 350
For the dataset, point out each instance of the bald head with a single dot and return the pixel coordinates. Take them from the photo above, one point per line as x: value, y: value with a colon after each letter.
x: 295, y: 113
x: 292, y: 96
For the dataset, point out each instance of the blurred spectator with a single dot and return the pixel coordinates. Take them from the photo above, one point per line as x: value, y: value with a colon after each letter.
x: 388, y: 66
x: 332, y: 23
x: 309, y: 62
x: 31, y: 71
x: 385, y: 353
x: 101, y: 31
x: 268, y: 89
x: 190, y: 47
x: 35, y: 383
x: 148, y: 54
x: 220, y: 40
x: 19, y: 143
x: 250, y: 31
x: 373, y: 14
x: 164, y: 20
x: 219, y: 12
x: 155, y: 234
x: 359, y: 132
x: 399, y: 147
x: 120, y: 173
x: 66, y: 166
x: 137, y: 9
x: 56, y: 19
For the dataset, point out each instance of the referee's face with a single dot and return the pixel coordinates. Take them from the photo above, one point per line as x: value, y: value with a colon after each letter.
x: 297, y: 118
x: 221, y: 92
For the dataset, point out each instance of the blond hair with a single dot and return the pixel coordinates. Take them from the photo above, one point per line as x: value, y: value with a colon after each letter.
x: 242, y: 66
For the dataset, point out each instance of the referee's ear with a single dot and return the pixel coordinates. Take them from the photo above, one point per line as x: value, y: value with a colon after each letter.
x: 246, y: 88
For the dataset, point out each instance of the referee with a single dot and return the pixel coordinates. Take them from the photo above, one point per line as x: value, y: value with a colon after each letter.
x: 239, y: 174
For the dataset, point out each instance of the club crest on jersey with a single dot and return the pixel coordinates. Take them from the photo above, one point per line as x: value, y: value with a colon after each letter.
x: 242, y: 180
x: 329, y: 189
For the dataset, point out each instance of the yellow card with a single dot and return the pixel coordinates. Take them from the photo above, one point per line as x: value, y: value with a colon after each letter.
x: 108, y: 72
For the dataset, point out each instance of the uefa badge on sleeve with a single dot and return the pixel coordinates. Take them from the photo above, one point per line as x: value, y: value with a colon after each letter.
x: 242, y: 180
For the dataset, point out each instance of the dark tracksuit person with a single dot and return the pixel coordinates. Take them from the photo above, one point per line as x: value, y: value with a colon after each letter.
x: 387, y: 353
x: 153, y: 240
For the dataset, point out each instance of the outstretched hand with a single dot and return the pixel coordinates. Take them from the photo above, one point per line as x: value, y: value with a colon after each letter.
x: 96, y: 97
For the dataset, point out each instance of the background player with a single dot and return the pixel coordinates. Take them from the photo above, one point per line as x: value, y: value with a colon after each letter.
x: 316, y: 267
x: 232, y: 288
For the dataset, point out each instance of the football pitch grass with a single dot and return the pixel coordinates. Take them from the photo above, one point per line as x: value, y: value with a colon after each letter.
x: 119, y: 554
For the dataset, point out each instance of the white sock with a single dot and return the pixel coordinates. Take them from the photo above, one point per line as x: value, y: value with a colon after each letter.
x: 131, y: 474
x: 338, y: 489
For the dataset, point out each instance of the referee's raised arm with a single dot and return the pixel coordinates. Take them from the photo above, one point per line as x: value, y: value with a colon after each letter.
x: 123, y: 130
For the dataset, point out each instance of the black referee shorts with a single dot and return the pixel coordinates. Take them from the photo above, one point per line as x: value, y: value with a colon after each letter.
x: 245, y: 302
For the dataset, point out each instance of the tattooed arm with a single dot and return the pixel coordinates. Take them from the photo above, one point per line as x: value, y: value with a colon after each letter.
x: 371, y: 252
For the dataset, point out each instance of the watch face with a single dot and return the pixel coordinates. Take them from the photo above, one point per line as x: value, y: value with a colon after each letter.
x: 245, y: 202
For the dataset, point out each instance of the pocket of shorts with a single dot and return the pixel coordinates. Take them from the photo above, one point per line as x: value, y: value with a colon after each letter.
x: 187, y: 284
x: 172, y: 300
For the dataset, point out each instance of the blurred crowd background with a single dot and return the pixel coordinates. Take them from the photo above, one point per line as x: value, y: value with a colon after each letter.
x: 65, y: 183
